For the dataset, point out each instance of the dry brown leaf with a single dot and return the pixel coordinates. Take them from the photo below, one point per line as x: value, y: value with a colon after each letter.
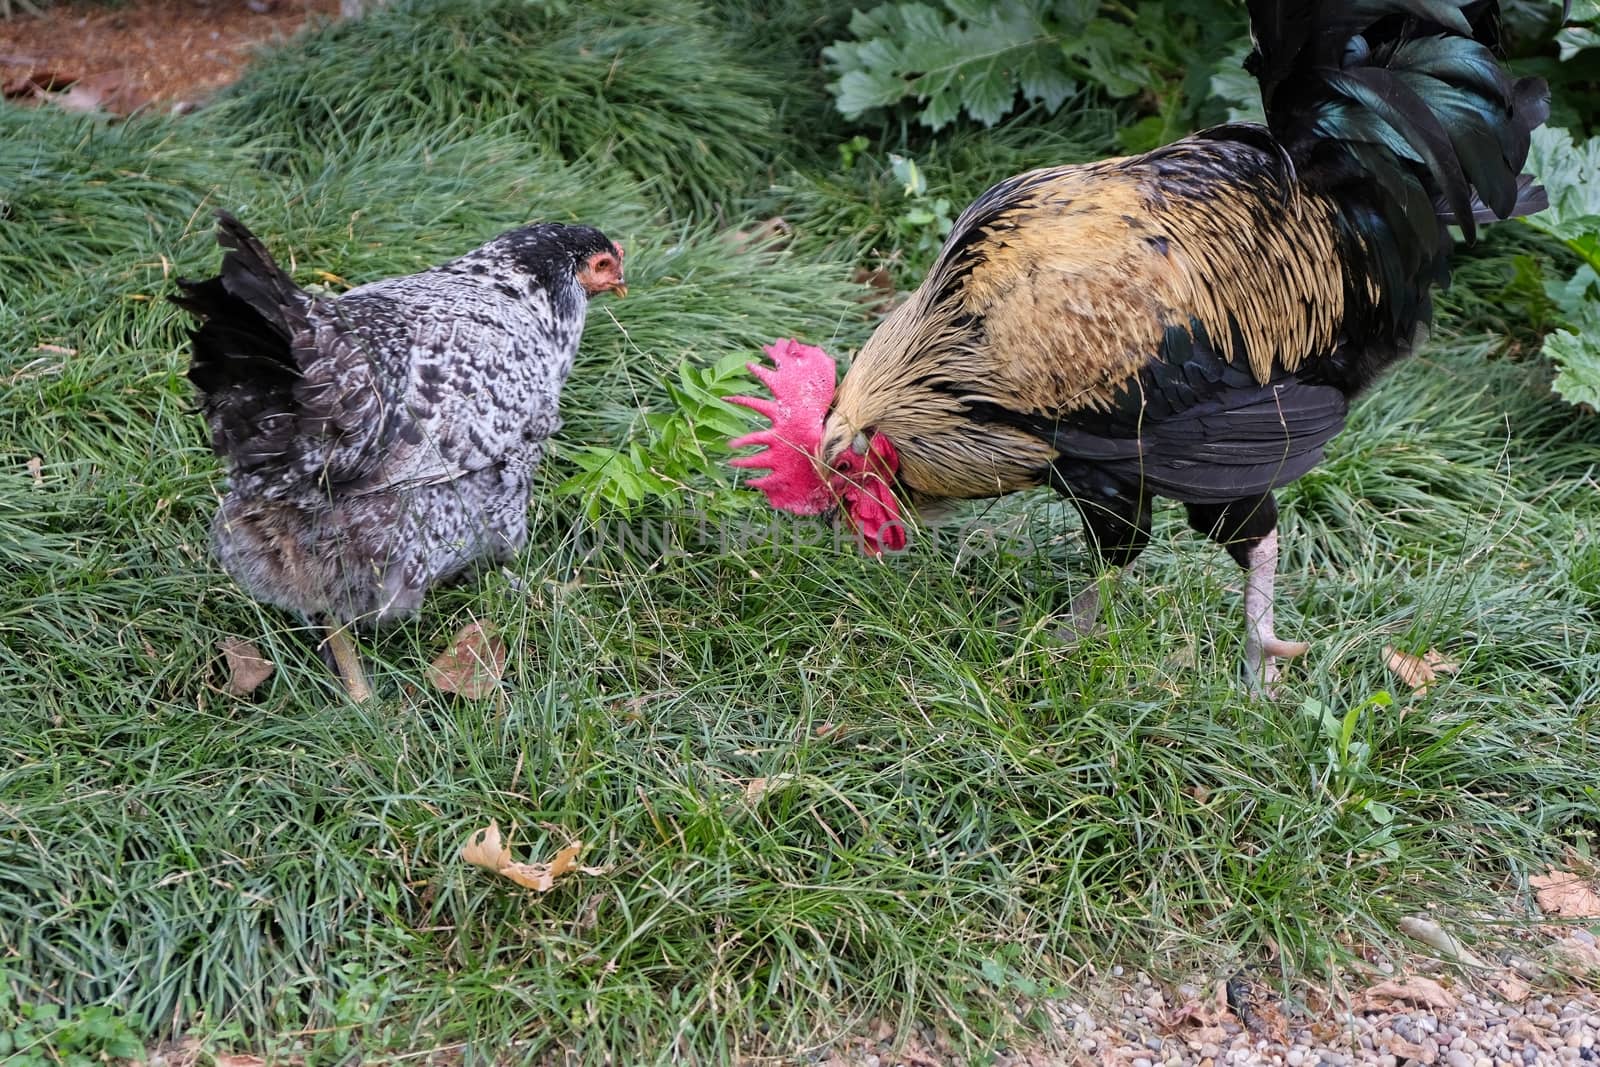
x: 247, y: 667
x: 36, y: 468
x: 1402, y: 1050
x: 1524, y: 1030
x: 774, y: 231
x: 28, y: 86
x: 1398, y: 993
x: 225, y: 1059
x: 484, y: 849
x: 472, y: 665
x: 1512, y: 989
x: 1418, y: 672
x: 880, y: 295
x: 1577, y: 957
x: 1197, y: 1020
x: 756, y: 788
x: 110, y: 93
x: 1565, y: 895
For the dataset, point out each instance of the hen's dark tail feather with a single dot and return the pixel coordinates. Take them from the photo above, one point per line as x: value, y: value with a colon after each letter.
x: 1407, y: 98
x: 243, y: 362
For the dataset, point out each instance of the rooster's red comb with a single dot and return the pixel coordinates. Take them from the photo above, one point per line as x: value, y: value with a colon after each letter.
x: 801, y: 380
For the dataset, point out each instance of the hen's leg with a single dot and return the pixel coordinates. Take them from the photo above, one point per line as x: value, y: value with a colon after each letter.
x: 346, y: 662
x: 1248, y: 529
x: 1117, y: 529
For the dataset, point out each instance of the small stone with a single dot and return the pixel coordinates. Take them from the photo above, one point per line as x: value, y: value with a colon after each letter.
x: 1530, y: 1055
x: 1143, y: 1061
x: 1296, y: 1057
x: 871, y: 1061
x: 1116, y: 971
x: 1456, y: 1058
x: 1483, y: 1061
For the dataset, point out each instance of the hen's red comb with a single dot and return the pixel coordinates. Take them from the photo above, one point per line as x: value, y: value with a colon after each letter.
x: 801, y: 380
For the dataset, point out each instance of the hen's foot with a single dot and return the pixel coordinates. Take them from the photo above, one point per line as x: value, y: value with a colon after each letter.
x: 347, y: 664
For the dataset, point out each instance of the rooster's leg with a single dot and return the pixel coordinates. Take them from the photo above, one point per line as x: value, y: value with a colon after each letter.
x: 1117, y: 529
x: 1248, y: 529
x: 1262, y: 647
x: 347, y: 663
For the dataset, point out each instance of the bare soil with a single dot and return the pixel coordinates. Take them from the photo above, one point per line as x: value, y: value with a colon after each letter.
x: 142, y: 53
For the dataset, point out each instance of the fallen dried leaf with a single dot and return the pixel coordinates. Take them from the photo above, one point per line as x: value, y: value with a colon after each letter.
x: 881, y: 293
x: 1577, y: 957
x: 36, y: 84
x: 1566, y: 895
x: 1403, y: 1050
x: 484, y: 849
x: 1512, y: 989
x: 247, y: 667
x: 473, y: 664
x: 1196, y: 1016
x: 1524, y: 1030
x: 1418, y: 672
x: 224, y: 1059
x: 774, y: 231
x: 36, y: 468
x: 110, y: 93
x: 1399, y: 992
x: 756, y: 788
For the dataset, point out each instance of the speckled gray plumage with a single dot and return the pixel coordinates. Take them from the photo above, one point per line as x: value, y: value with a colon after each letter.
x: 384, y: 440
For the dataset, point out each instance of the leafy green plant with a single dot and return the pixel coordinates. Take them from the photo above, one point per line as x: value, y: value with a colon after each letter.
x: 978, y: 57
x: 925, y: 220
x: 1571, y: 174
x: 1346, y: 776
x: 678, y: 447
x: 1582, y: 31
x: 34, y: 1034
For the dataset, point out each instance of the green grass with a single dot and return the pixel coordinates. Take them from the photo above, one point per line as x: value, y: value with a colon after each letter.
x: 962, y: 808
x: 626, y: 90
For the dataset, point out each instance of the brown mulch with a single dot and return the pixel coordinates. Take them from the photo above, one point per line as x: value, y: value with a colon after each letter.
x: 143, y: 53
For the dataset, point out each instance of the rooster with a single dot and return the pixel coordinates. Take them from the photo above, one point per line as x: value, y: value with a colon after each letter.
x: 1191, y: 323
x: 382, y: 441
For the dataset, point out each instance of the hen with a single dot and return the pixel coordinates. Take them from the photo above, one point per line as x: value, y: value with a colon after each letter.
x: 1191, y: 323
x: 382, y: 441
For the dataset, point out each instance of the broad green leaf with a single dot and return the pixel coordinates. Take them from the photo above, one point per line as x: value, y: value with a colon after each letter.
x: 1237, y: 87
x: 1043, y: 79
x: 1576, y: 355
x: 859, y: 91
x: 1570, y: 173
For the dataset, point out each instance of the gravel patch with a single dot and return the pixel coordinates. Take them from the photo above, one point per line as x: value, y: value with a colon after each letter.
x: 1478, y: 1031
